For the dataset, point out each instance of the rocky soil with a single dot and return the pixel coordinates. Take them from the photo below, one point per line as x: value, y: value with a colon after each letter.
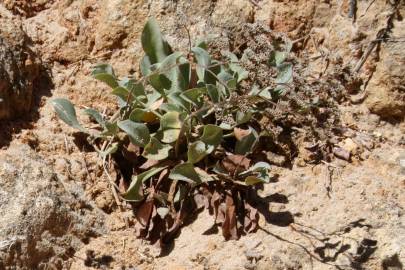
x: 56, y: 205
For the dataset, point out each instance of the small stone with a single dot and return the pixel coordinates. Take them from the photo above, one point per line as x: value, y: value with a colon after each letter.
x: 350, y: 146
x: 250, y: 265
x: 359, y: 98
x: 253, y: 254
x: 275, y: 159
x: 341, y: 153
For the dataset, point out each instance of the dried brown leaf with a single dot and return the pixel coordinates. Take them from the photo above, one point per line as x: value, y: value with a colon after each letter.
x: 240, y: 133
x: 235, y: 164
x: 149, y: 164
x: 229, y: 226
x: 341, y: 153
x: 251, y: 219
x: 200, y: 200
x: 215, y: 203
x: 143, y: 216
x: 132, y: 152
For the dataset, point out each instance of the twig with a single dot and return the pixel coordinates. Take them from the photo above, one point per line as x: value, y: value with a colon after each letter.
x: 183, y: 127
x: 380, y: 35
x: 87, y: 167
x: 66, y: 145
x: 364, y: 57
x: 113, y: 186
x: 255, y: 3
x: 368, y: 7
x: 353, y: 9
x: 305, y: 249
x: 330, y: 170
x: 189, y: 38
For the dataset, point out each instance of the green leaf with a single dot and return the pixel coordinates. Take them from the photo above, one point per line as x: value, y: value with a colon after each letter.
x: 133, y: 192
x: 160, y: 82
x: 185, y: 172
x: 133, y: 87
x: 95, y: 115
x: 285, y: 72
x: 152, y: 97
x: 169, y: 107
x: 241, y: 73
x: 169, y: 135
x: 201, y: 43
x: 122, y: 95
x: 277, y: 58
x: 247, y: 143
x: 227, y: 79
x: 156, y: 150
x: 173, y: 79
x: 211, y: 138
x: 185, y: 72
x: 169, y: 63
x: 213, y: 93
x: 203, y: 60
x: 176, y: 99
x: 204, y: 176
x: 170, y: 120
x: 197, y: 151
x: 170, y: 125
x: 243, y: 117
x: 194, y: 96
x: 212, y: 135
x: 110, y: 129
x: 138, y: 133
x: 67, y: 113
x: 253, y: 180
x: 266, y: 93
x: 153, y: 43
x: 142, y: 115
x: 260, y: 173
x: 145, y: 66
x: 105, y: 73
x: 110, y: 150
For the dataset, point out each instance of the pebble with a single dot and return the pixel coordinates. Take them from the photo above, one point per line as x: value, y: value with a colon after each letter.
x: 253, y: 254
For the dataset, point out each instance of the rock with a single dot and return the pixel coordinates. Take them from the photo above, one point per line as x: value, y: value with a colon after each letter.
x: 350, y: 146
x: 387, y: 87
x: 229, y: 13
x: 121, y: 21
x: 341, y: 153
x: 276, y: 159
x: 296, y: 20
x: 26, y: 8
x: 18, y: 68
x: 43, y: 220
x: 253, y: 254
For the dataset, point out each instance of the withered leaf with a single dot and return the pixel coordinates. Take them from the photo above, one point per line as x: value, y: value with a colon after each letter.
x: 122, y: 185
x: 131, y: 152
x: 251, y: 223
x: 235, y: 164
x: 229, y: 226
x: 341, y: 153
x: 162, y: 176
x: 143, y: 215
x: 240, y: 133
x: 149, y: 164
x: 215, y: 202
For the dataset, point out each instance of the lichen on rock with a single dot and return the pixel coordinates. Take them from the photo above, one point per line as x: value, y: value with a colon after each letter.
x: 43, y: 220
x: 18, y: 68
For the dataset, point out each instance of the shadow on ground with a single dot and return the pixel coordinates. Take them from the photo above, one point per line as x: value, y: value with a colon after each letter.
x: 42, y: 88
